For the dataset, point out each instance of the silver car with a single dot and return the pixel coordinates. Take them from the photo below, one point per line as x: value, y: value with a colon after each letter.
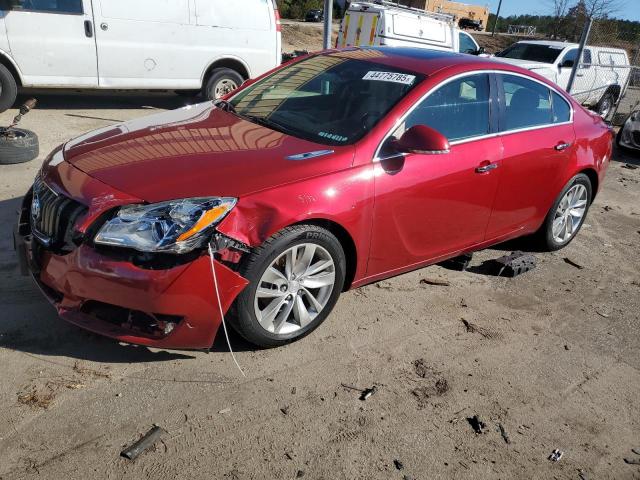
x: 629, y: 134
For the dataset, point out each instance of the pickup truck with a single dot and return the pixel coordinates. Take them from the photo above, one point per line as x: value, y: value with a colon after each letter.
x: 601, y: 77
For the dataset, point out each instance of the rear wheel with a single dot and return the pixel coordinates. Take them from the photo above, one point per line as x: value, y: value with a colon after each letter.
x: 564, y: 220
x: 295, y: 279
x: 221, y: 82
x: 8, y: 89
x: 605, y: 106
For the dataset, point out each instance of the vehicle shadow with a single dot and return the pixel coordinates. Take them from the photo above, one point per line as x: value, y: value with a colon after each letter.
x: 29, y: 324
x: 628, y: 157
x: 105, y: 100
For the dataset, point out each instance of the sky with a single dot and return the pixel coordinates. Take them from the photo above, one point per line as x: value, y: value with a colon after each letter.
x: 631, y: 10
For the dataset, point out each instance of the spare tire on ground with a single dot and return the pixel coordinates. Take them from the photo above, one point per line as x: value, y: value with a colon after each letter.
x: 18, y: 146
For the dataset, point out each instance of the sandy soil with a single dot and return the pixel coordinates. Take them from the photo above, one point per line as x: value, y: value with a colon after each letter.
x: 551, y: 356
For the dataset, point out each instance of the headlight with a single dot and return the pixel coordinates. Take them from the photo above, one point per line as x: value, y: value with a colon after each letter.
x: 176, y: 226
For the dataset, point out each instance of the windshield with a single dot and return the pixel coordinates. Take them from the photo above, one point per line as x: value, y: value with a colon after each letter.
x: 330, y: 99
x: 532, y: 52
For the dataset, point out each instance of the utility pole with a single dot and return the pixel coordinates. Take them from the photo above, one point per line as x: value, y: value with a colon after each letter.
x: 495, y: 24
x: 576, y: 64
x: 328, y: 23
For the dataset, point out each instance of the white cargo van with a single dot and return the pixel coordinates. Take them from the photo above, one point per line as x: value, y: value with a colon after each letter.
x: 208, y: 45
x: 600, y: 79
x: 384, y: 23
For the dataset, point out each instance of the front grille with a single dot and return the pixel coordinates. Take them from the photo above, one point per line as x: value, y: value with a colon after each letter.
x: 636, y: 137
x: 53, y: 217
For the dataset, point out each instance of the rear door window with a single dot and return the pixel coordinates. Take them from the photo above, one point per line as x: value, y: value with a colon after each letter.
x: 527, y: 103
x: 459, y: 109
x: 50, y: 6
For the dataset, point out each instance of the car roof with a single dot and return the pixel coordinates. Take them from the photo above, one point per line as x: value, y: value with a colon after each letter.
x: 421, y: 60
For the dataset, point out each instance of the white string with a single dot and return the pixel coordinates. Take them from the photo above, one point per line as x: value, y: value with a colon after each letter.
x: 224, y: 325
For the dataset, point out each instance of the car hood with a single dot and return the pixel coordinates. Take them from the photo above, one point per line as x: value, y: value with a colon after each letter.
x: 195, y: 151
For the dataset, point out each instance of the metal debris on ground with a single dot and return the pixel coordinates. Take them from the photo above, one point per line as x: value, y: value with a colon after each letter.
x: 636, y: 451
x: 436, y: 282
x: 556, y: 455
x: 504, y: 434
x: 398, y: 464
x: 285, y: 410
x: 144, y: 443
x: 630, y: 166
x: 515, y: 264
x: 632, y: 461
x: 572, y: 263
x: 477, y: 424
x: 224, y: 411
x: 367, y: 392
x: 364, y: 393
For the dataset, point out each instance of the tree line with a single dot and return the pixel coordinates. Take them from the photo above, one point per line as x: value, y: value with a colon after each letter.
x: 566, y: 21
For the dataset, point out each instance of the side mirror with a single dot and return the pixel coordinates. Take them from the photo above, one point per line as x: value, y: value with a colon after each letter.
x: 423, y: 140
x: 567, y: 64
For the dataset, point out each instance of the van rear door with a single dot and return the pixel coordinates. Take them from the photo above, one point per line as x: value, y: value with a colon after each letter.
x: 359, y: 29
x: 52, y: 42
x: 422, y: 29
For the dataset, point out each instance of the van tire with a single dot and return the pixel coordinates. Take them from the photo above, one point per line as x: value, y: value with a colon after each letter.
x: 8, y: 89
x: 606, y: 105
x: 221, y: 82
x: 23, y: 147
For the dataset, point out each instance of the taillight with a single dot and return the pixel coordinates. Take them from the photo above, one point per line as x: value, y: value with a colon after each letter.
x: 276, y: 16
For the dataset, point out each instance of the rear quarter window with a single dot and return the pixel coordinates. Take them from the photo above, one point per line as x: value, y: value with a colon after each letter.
x: 561, y: 109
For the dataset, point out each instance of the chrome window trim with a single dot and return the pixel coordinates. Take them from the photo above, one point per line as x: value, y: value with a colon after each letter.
x: 377, y: 158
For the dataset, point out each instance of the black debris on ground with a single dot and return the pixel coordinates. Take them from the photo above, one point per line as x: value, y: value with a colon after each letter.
x: 398, y: 464
x: 146, y: 442
x: 434, y: 281
x: 572, y: 263
x: 477, y: 424
x: 459, y: 263
x: 368, y: 392
x: 515, y: 264
x: 556, y: 455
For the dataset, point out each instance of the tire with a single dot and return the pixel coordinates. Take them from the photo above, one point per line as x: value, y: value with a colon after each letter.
x: 220, y: 82
x: 546, y: 238
x: 8, y: 89
x: 23, y: 147
x: 605, y: 105
x: 270, y: 254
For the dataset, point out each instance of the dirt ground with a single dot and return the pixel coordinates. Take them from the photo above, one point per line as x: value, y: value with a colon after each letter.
x: 550, y: 356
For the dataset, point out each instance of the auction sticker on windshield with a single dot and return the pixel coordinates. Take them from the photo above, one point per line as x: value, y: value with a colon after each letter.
x: 390, y: 77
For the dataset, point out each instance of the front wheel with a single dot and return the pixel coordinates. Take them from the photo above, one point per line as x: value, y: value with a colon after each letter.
x: 295, y: 279
x: 8, y: 89
x: 567, y: 215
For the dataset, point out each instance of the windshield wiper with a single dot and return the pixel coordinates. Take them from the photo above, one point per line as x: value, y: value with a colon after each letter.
x: 270, y: 124
x: 224, y: 105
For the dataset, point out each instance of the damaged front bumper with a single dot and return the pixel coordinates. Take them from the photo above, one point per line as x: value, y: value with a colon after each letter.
x: 171, y: 307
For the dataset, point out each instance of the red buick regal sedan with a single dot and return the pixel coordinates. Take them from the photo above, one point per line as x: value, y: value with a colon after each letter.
x: 328, y: 173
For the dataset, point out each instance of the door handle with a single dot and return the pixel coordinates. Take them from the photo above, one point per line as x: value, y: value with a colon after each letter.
x: 562, y: 146
x: 486, y: 167
x: 88, y: 28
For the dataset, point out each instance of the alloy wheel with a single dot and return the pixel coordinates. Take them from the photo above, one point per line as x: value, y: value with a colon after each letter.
x: 570, y: 213
x: 294, y: 289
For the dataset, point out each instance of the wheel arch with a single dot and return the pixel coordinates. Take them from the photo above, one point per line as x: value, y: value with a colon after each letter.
x: 6, y: 60
x: 346, y: 241
x: 233, y: 63
x: 593, y: 178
